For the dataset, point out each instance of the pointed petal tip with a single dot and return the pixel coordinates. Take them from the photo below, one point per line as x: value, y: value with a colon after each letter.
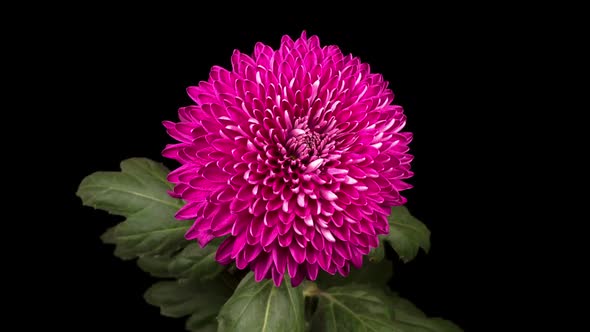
x: 277, y: 278
x: 328, y: 195
x: 298, y: 279
x: 314, y: 165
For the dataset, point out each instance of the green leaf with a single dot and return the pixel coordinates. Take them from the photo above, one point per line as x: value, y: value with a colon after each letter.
x: 196, y: 324
x: 193, y: 262
x: 377, y: 254
x: 157, y: 266
x: 353, y: 308
x: 402, y: 307
x: 196, y: 262
x: 407, y: 234
x: 152, y: 231
x: 201, y: 300
x: 261, y: 306
x: 442, y: 325
x: 373, y: 274
x: 426, y: 325
x: 139, y: 193
x: 407, y: 317
x: 362, y: 308
x: 108, y: 237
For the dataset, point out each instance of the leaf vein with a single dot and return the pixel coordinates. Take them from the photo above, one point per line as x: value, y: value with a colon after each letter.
x: 131, y: 193
x: 272, y: 291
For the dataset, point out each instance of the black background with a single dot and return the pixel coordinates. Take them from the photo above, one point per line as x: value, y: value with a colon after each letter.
x: 126, y: 73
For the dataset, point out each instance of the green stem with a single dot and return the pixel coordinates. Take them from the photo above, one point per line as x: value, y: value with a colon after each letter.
x: 310, y: 289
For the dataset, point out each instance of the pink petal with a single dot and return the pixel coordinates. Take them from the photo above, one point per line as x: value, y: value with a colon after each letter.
x: 280, y: 258
x: 269, y: 234
x: 277, y: 277
x: 212, y: 173
x: 262, y: 266
x: 312, y: 271
x: 328, y: 195
x: 188, y: 211
x: 223, y: 254
x: 251, y: 252
x: 239, y: 244
x: 298, y: 253
x: 296, y: 155
x: 286, y: 239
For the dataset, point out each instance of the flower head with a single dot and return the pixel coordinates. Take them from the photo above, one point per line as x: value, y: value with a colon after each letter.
x: 295, y: 156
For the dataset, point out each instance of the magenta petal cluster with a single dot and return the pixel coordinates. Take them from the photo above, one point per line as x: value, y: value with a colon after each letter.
x: 295, y: 156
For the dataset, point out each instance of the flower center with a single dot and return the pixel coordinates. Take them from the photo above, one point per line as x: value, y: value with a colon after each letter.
x: 308, y: 148
x: 303, y: 144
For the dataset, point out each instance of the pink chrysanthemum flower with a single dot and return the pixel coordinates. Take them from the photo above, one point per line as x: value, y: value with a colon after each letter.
x: 295, y: 155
